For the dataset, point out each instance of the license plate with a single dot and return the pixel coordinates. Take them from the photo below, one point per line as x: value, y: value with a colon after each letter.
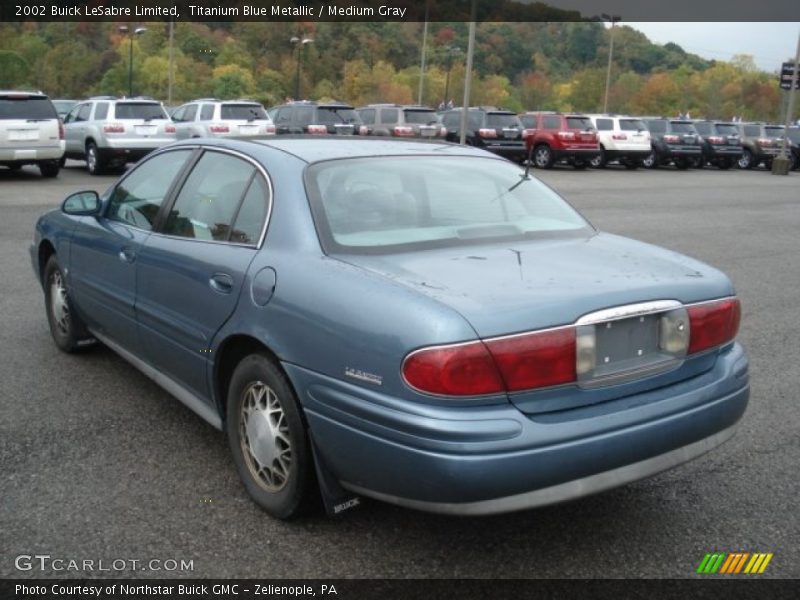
x: 619, y: 343
x: 427, y: 131
x: 145, y: 129
x: 586, y: 137
x: 344, y: 129
x: 248, y: 129
x: 23, y: 135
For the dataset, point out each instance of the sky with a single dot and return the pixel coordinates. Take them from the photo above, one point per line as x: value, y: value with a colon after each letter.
x: 770, y: 44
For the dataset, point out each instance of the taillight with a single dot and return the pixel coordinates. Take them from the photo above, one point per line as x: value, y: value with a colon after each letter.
x: 219, y: 128
x: 114, y: 128
x: 363, y: 130
x: 169, y: 128
x: 566, y: 135
x: 526, y: 133
x: 713, y: 323
x: 765, y: 141
x: 402, y: 131
x: 268, y: 129
x: 715, y: 139
x: 317, y: 129
x: 487, y: 133
x: 443, y: 132
x: 60, y: 130
x: 619, y: 136
x: 538, y: 359
x: 458, y: 370
x: 671, y: 139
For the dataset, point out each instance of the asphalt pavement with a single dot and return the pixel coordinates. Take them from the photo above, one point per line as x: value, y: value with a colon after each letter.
x: 98, y: 463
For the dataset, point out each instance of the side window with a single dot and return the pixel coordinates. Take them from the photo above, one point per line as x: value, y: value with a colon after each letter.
x: 368, y: 116
x: 250, y: 220
x: 191, y: 111
x: 83, y: 112
x: 138, y: 197
x: 100, y: 110
x: 552, y: 122
x: 605, y: 124
x: 210, y: 197
x: 177, y: 116
x: 207, y: 112
x: 72, y: 115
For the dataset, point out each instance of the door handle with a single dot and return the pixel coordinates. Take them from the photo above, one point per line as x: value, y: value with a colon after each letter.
x: 127, y: 255
x: 221, y: 282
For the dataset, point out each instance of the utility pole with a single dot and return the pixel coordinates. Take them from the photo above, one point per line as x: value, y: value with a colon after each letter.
x: 613, y: 19
x: 462, y: 139
x: 782, y: 163
x: 171, y: 59
x: 424, y: 53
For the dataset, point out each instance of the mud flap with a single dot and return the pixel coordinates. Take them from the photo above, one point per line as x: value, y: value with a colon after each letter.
x: 335, y: 498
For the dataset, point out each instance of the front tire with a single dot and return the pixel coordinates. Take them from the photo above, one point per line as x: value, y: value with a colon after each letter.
x: 68, y: 330
x: 49, y: 168
x: 268, y: 438
x: 94, y: 164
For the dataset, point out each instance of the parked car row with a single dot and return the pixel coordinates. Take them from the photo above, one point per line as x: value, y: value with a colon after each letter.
x: 108, y: 132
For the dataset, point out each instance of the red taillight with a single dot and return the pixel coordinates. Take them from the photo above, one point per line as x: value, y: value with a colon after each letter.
x: 443, y: 131
x: 671, y: 139
x: 169, y: 128
x: 268, y: 129
x: 60, y: 130
x: 318, y: 129
x: 509, y: 364
x: 713, y: 324
x: 765, y: 141
x: 619, y: 136
x: 114, y: 128
x: 460, y: 370
x: 715, y: 139
x: 219, y: 128
x: 401, y: 131
x: 566, y: 135
x: 487, y: 133
x: 363, y: 130
x: 538, y: 359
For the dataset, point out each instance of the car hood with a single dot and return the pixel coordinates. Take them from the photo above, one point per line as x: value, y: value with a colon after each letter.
x: 521, y: 286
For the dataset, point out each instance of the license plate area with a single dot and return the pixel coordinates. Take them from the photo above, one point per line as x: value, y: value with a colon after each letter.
x: 23, y: 135
x: 614, y: 348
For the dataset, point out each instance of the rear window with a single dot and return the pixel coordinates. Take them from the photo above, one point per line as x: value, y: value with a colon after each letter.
x: 26, y: 107
x: 632, y: 125
x: 502, y: 120
x: 582, y: 123
x: 657, y: 126
x: 332, y: 115
x: 684, y: 127
x: 752, y: 130
x: 246, y: 112
x: 382, y: 205
x: 773, y: 132
x: 139, y: 110
x: 704, y: 128
x: 727, y: 129
x: 420, y: 117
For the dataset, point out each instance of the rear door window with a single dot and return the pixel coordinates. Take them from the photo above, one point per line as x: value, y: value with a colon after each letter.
x: 207, y: 112
x: 551, y: 122
x: 100, y: 111
x: 367, y: 116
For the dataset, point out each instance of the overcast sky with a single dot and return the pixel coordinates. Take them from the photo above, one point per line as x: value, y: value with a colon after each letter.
x: 770, y: 44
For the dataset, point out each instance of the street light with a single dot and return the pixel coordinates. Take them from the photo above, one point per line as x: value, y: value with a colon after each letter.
x: 612, y: 19
x: 300, y: 44
x: 131, y: 34
x: 450, y: 52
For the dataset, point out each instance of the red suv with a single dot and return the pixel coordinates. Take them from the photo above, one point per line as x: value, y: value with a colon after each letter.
x: 556, y: 137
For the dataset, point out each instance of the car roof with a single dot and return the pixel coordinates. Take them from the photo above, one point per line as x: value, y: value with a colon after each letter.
x: 315, y: 149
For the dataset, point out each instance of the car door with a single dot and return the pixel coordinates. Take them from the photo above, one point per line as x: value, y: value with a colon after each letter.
x: 190, y: 272
x: 75, y: 128
x: 105, y: 249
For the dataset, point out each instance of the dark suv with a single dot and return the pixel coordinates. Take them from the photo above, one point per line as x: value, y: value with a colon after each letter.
x: 794, y: 138
x: 555, y: 137
x: 397, y: 120
x: 672, y: 140
x: 493, y: 129
x: 758, y: 147
x: 315, y: 118
x: 720, y: 143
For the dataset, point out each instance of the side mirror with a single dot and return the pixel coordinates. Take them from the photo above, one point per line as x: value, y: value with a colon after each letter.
x: 85, y: 203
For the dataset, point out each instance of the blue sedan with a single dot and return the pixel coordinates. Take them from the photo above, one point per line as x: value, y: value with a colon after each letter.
x: 421, y: 323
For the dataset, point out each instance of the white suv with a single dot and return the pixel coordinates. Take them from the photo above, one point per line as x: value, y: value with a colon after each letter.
x: 209, y: 117
x: 30, y: 132
x: 623, y: 139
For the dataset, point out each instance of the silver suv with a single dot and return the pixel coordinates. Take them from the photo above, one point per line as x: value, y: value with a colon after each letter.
x: 30, y: 132
x: 108, y: 132
x: 209, y: 117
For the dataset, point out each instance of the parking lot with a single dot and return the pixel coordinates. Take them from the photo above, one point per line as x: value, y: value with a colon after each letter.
x: 99, y: 463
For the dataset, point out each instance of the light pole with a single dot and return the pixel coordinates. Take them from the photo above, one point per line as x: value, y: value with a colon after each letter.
x: 131, y: 34
x: 450, y: 54
x: 300, y: 44
x: 613, y: 19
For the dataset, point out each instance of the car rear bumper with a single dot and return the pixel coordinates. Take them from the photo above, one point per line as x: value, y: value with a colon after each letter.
x: 576, y: 153
x: 32, y: 154
x: 668, y: 151
x: 639, y: 154
x: 490, y: 459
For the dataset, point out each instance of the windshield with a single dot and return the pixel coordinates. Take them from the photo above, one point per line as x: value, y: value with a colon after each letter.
x: 246, y: 112
x: 420, y: 117
x: 683, y: 127
x: 632, y: 125
x: 331, y: 115
x: 502, y: 120
x: 391, y: 204
x: 26, y: 107
x: 582, y: 123
x: 727, y: 129
x: 139, y: 110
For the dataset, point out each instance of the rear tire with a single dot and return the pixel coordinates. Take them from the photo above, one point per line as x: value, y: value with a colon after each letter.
x: 682, y: 163
x: 68, y: 330
x: 746, y: 160
x: 268, y: 438
x: 543, y: 157
x: 49, y: 168
x: 650, y: 161
x: 599, y: 161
